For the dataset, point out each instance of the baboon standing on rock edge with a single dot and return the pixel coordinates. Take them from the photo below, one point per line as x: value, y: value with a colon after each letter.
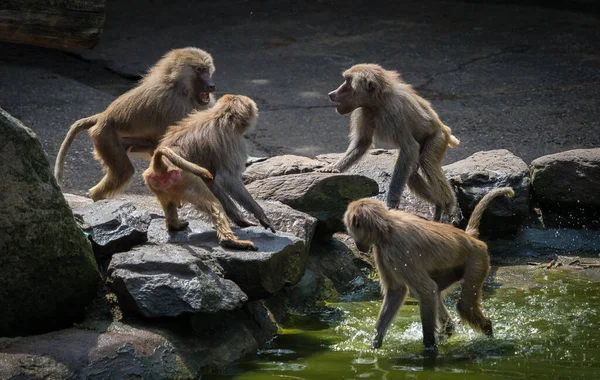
x: 180, y: 82
x: 206, y: 142
x: 425, y: 257
x: 386, y: 108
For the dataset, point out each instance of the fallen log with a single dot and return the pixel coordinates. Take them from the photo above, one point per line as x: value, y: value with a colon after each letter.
x: 57, y: 24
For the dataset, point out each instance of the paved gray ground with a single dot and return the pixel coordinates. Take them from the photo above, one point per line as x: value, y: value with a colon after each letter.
x: 509, y: 76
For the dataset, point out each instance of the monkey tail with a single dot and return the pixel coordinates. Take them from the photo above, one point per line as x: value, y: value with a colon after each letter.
x: 453, y: 142
x: 183, y: 164
x: 473, y: 225
x: 79, y: 126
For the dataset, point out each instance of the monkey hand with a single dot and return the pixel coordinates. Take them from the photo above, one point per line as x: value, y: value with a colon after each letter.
x: 377, y: 341
x: 327, y: 169
x: 267, y: 225
x: 243, y: 223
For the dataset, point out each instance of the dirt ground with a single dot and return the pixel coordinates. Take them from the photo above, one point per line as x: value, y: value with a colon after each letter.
x: 503, y: 75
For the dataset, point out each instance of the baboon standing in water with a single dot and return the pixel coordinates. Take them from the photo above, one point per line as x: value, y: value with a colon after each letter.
x: 425, y: 257
x: 386, y: 108
x: 135, y: 122
x: 206, y: 142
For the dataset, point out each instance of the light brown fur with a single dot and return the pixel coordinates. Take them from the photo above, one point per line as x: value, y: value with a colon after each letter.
x: 135, y: 122
x: 208, y: 141
x: 389, y: 110
x: 425, y: 257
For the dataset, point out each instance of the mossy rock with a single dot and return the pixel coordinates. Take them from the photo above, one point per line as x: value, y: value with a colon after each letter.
x: 48, y: 273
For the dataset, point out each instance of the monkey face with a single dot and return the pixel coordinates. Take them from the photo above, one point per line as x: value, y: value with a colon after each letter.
x: 203, y: 84
x: 344, y: 95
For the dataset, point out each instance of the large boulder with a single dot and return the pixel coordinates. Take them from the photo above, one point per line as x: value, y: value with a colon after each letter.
x: 378, y: 164
x: 168, y: 280
x: 182, y: 348
x: 568, y: 184
x: 47, y: 269
x: 280, y: 165
x: 322, y: 195
x: 477, y: 174
x: 280, y: 259
x: 116, y: 226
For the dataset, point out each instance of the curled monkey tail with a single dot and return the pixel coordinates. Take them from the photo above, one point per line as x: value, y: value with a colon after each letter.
x: 79, y: 126
x: 159, y: 166
x: 453, y: 142
x: 473, y: 226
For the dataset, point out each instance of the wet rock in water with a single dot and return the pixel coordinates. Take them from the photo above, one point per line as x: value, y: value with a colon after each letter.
x: 116, y: 226
x: 322, y: 195
x: 166, y: 349
x: 312, y: 288
x: 279, y: 260
x: 567, y: 184
x: 551, y: 241
x: 169, y: 280
x: 335, y: 258
x: 280, y: 165
x: 378, y: 164
x: 47, y: 269
x: 286, y: 219
x: 477, y: 174
x: 247, y: 329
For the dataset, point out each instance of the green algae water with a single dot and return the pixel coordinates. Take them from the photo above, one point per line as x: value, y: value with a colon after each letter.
x: 546, y: 329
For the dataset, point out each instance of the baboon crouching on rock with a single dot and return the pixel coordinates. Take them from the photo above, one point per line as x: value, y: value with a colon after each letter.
x: 425, y: 257
x: 208, y: 145
x: 387, y: 109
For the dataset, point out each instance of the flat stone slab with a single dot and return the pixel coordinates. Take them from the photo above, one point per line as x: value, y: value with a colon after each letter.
x: 169, y: 280
x: 280, y: 258
x: 286, y: 219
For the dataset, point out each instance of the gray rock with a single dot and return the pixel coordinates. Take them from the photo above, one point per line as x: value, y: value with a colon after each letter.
x: 280, y: 165
x: 116, y: 226
x: 476, y: 175
x: 169, y: 280
x: 280, y: 258
x: 312, y: 288
x: 334, y: 258
x: 571, y: 178
x: 286, y: 219
x: 163, y: 350
x: 378, y: 164
x: 322, y: 195
x: 47, y: 269
x: 555, y: 241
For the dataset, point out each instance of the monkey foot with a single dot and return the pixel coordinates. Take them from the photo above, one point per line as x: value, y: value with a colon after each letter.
x: 238, y: 244
x: 430, y: 351
x: 377, y: 341
x: 178, y: 226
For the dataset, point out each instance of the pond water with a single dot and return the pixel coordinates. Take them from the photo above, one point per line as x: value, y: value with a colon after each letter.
x: 547, y: 329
